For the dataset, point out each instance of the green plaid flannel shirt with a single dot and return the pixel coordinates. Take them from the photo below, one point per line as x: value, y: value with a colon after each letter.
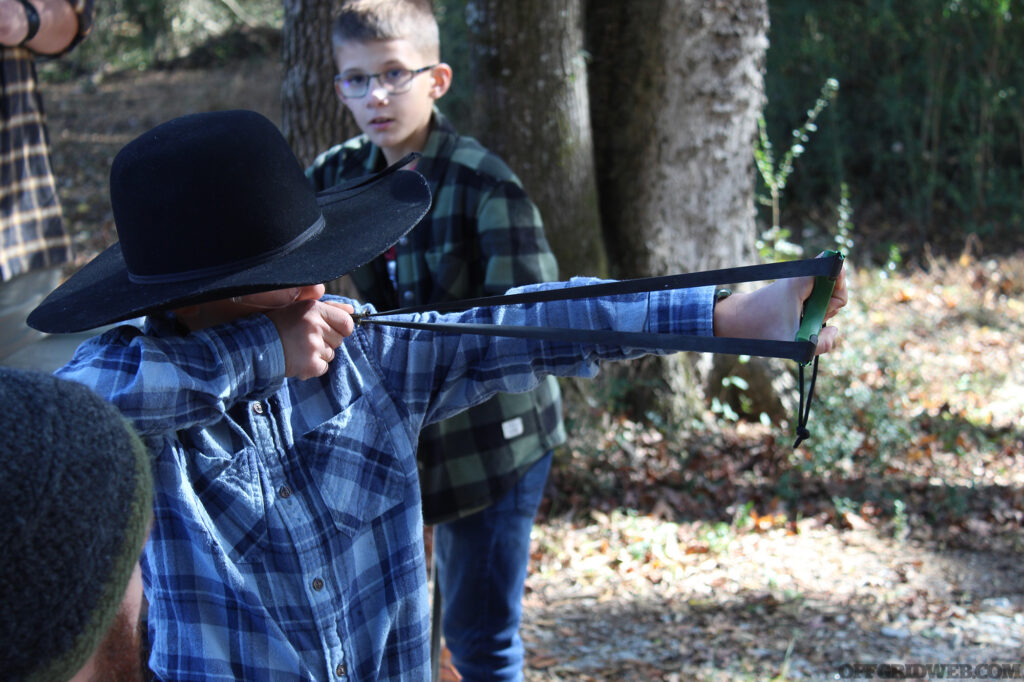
x: 32, y: 234
x: 482, y: 237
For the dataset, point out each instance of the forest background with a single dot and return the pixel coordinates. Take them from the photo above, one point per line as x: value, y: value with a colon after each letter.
x: 927, y: 131
x: 705, y: 546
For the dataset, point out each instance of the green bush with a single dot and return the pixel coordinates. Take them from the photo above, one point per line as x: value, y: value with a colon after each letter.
x: 928, y: 129
x: 140, y: 34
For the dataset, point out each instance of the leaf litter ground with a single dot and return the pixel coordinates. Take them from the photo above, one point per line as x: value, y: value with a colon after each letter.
x: 720, y: 555
x: 893, y: 536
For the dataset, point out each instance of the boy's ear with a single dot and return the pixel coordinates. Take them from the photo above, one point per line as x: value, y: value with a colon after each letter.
x: 441, y: 80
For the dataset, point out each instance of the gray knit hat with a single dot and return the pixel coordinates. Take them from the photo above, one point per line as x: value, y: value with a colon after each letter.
x: 74, y: 513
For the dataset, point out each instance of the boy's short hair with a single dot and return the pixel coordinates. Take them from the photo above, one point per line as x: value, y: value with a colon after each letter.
x: 369, y: 20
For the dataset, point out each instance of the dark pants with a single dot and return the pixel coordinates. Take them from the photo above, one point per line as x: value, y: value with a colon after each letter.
x: 481, y: 562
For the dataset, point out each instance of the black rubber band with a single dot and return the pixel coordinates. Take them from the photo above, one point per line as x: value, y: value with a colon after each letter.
x: 799, y: 351
x: 819, y: 267
x: 32, y: 16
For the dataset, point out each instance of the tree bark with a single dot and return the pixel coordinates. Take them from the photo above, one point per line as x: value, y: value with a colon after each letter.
x: 676, y: 88
x: 530, y: 106
x: 313, y: 119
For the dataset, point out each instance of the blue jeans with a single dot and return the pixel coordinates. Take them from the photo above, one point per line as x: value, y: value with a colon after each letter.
x: 481, y: 562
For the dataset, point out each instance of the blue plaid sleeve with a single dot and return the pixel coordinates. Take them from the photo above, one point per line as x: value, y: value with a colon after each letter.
x: 165, y: 384
x: 461, y: 370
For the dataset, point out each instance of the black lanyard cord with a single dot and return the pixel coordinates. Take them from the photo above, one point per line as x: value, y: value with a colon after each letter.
x: 803, y: 415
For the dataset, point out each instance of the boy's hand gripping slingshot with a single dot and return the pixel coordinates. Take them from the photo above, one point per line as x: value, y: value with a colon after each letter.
x: 825, y: 269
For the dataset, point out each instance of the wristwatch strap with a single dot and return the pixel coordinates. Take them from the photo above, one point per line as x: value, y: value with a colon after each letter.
x: 32, y: 16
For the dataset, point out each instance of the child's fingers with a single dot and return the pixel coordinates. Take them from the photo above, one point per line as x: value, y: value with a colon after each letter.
x: 840, y: 295
x: 347, y: 307
x: 828, y: 339
x: 310, y: 331
x: 338, y: 317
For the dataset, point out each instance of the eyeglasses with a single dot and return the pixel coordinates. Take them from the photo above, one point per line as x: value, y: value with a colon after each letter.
x: 395, y: 81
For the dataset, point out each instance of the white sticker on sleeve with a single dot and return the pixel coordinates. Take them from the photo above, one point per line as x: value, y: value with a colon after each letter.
x: 512, y: 428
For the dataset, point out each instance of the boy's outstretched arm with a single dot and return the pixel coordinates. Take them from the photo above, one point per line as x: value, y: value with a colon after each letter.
x: 773, y: 311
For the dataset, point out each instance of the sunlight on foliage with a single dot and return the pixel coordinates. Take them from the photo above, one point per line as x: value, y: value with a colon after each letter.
x: 139, y: 34
x: 774, y: 244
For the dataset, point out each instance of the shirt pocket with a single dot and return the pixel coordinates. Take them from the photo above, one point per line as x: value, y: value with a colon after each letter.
x: 356, y: 467
x: 228, y: 487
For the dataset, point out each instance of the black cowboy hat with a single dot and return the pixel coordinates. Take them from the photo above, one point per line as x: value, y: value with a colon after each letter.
x: 214, y: 205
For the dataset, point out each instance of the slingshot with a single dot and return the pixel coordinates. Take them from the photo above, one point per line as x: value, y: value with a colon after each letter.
x: 825, y: 269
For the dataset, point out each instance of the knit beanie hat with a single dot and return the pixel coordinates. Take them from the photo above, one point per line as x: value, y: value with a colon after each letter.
x: 74, y: 514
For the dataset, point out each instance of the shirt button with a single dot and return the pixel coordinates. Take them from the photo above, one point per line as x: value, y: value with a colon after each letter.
x: 407, y: 296
x: 257, y: 408
x: 403, y: 241
x: 285, y: 492
x: 340, y: 671
x: 318, y: 584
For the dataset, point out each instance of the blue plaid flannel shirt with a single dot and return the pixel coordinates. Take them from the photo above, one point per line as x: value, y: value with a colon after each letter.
x: 288, y: 537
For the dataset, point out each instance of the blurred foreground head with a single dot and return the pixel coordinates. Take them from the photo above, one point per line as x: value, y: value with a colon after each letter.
x: 77, y: 504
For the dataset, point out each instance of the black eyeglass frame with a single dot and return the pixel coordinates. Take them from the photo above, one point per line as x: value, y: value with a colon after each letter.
x: 391, y: 88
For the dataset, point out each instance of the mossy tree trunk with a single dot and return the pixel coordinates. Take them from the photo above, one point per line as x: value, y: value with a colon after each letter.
x: 313, y: 119
x: 676, y: 87
x: 530, y: 105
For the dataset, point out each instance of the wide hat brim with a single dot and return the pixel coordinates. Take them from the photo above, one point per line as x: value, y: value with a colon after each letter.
x: 361, y: 221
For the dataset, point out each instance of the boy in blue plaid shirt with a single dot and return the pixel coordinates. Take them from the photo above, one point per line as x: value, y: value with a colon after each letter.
x: 482, y: 472
x: 287, y: 532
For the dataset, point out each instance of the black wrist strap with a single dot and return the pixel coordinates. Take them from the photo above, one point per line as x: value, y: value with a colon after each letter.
x: 803, y: 415
x: 32, y: 16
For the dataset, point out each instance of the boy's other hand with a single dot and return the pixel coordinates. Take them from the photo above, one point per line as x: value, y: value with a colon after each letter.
x: 773, y: 311
x: 310, y: 331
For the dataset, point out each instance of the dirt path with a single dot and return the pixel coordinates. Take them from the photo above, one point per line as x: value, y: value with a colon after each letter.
x: 636, y: 599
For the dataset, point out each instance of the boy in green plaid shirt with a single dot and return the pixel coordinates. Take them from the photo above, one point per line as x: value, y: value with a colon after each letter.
x: 482, y: 473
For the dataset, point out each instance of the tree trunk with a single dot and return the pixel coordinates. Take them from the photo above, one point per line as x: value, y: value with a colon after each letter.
x: 676, y: 89
x: 312, y: 116
x: 530, y: 105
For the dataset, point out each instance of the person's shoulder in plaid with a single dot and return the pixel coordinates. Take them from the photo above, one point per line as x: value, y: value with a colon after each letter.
x: 33, y: 240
